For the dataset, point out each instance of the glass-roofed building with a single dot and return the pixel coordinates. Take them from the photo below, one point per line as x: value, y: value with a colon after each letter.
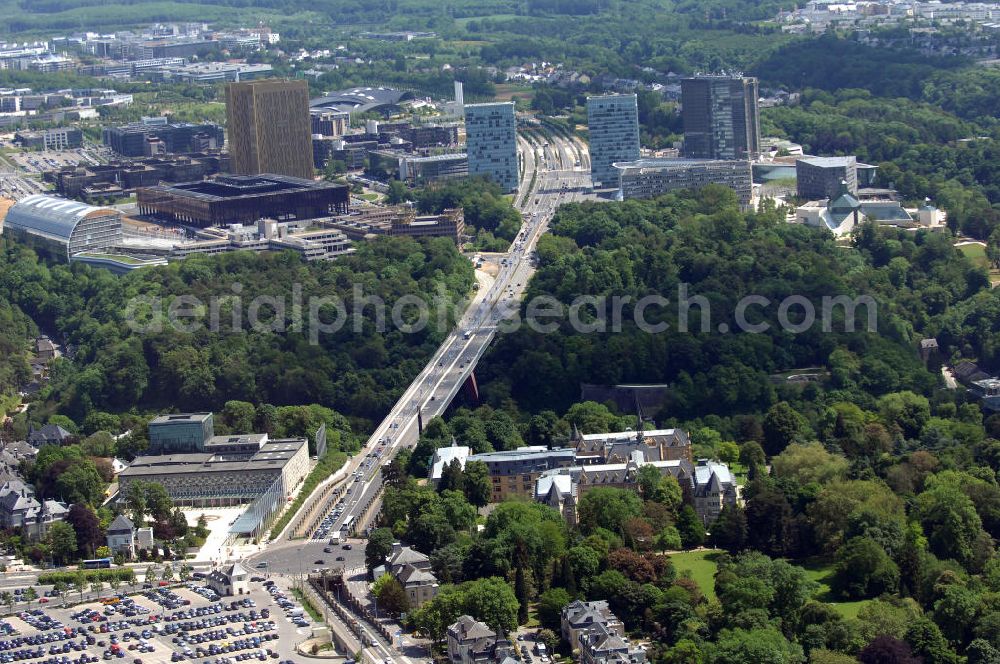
x: 65, y: 227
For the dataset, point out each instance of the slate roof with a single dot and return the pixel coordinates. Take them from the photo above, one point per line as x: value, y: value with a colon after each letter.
x: 121, y: 524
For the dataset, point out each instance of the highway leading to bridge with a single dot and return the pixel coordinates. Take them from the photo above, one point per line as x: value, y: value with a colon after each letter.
x: 558, y: 180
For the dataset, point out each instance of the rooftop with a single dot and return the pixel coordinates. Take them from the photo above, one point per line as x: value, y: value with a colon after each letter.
x: 654, y: 163
x: 231, y: 187
x: 360, y: 100
x: 272, y: 455
x: 51, y: 216
x: 828, y: 162
x: 180, y: 417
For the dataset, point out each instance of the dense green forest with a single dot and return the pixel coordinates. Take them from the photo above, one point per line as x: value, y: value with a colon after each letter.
x: 359, y: 370
x: 637, y: 248
x: 871, y: 500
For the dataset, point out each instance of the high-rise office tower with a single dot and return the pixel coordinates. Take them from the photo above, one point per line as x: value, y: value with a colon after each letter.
x: 269, y: 128
x: 613, y: 124
x: 491, y: 143
x: 720, y: 117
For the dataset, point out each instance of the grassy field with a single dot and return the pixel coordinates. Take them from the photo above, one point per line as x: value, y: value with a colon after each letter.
x: 821, y: 573
x: 508, y: 91
x: 977, y: 254
x: 493, y: 17
x: 701, y: 566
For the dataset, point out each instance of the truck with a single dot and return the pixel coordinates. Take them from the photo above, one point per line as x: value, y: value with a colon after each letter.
x: 467, y: 334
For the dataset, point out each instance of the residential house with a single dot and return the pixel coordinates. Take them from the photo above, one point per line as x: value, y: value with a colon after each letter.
x: 121, y: 536
x: 413, y: 571
x: 602, y: 645
x: 473, y: 642
x: 49, y: 434
x: 967, y: 373
x: 597, y: 635
x: 15, y: 504
x: 38, y: 519
x: 579, y: 616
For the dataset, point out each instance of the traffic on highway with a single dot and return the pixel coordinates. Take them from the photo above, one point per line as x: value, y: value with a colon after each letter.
x: 561, y: 178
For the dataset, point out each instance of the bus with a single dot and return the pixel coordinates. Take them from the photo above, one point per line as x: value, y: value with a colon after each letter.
x: 96, y: 563
x: 348, y: 524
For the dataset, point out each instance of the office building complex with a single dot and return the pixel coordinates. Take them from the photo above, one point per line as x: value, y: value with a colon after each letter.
x: 720, y: 115
x: 613, y: 124
x: 231, y: 470
x: 401, y: 220
x: 330, y: 123
x: 62, y: 226
x: 414, y: 169
x: 118, y: 177
x: 648, y: 178
x: 135, y: 139
x: 820, y: 177
x: 59, y: 138
x: 269, y: 235
x: 491, y: 143
x: 269, y: 128
x: 512, y: 472
x: 243, y: 200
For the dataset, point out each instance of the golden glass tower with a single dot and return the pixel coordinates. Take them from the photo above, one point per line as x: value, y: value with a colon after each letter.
x: 269, y: 128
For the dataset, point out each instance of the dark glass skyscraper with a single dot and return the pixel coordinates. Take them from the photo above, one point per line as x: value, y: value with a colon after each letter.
x: 720, y: 117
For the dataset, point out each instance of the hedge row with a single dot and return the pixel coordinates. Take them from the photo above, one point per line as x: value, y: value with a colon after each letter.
x: 69, y: 578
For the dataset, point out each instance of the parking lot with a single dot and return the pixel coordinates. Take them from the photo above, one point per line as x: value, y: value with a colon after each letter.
x: 182, y: 623
x: 50, y: 160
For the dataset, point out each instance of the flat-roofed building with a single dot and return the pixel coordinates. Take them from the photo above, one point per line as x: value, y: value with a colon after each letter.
x: 224, y: 477
x: 62, y: 226
x: 415, y: 169
x: 648, y: 178
x: 56, y: 138
x: 181, y: 432
x: 269, y: 127
x: 132, y: 140
x: 491, y: 143
x: 613, y: 126
x: 821, y: 177
x: 514, y: 472
x: 330, y: 123
x: 243, y: 200
x: 449, y: 224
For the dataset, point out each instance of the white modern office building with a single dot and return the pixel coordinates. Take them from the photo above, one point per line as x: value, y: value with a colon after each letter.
x: 491, y: 143
x: 613, y: 124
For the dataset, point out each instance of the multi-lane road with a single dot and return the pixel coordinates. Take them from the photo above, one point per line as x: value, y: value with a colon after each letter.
x: 558, y: 180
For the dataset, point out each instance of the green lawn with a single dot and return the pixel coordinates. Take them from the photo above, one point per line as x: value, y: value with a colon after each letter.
x: 702, y: 567
x: 821, y: 574
x: 975, y: 253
